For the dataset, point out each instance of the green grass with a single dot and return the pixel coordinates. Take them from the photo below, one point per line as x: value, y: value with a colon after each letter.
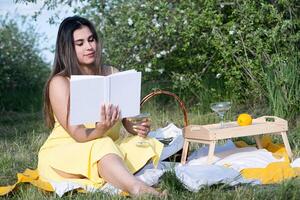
x: 21, y: 136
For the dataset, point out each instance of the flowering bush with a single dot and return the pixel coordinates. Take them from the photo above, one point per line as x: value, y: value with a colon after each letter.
x: 203, y: 50
x: 198, y: 49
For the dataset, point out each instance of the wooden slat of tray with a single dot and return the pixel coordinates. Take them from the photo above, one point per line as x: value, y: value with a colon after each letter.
x: 232, y: 130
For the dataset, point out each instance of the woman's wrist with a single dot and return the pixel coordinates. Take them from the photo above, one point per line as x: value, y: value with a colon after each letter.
x: 100, y: 131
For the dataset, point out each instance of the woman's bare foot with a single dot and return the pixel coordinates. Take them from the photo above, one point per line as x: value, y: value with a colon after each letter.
x: 141, y: 188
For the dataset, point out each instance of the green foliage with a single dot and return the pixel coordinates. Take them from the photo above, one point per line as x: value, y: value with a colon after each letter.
x: 22, y: 70
x: 282, y: 83
x: 203, y: 50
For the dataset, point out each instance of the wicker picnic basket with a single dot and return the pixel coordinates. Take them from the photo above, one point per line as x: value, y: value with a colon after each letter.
x: 158, y: 92
x: 177, y: 156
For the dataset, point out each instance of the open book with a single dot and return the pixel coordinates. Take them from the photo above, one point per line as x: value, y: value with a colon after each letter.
x: 89, y: 92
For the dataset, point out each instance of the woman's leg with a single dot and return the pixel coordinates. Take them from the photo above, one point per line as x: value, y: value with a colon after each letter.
x: 113, y: 170
x: 68, y: 175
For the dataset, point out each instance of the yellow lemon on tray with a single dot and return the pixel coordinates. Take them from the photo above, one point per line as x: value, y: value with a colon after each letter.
x: 244, y: 119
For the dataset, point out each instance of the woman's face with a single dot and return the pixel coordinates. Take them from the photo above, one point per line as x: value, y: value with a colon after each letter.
x: 85, y: 46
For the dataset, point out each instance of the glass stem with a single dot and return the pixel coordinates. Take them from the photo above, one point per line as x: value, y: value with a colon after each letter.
x: 222, y: 121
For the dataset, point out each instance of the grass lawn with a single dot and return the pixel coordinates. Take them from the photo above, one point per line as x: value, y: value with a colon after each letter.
x: 21, y: 136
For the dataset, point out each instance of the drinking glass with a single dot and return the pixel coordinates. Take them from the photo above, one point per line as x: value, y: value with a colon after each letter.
x: 221, y: 108
x: 137, y: 120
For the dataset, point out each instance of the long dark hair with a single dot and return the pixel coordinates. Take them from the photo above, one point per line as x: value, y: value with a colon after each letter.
x: 65, y: 60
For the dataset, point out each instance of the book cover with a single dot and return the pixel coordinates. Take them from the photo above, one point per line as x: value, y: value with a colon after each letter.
x: 89, y: 92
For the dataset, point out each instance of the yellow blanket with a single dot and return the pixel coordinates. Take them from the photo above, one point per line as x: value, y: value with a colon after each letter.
x: 28, y: 176
x: 274, y: 172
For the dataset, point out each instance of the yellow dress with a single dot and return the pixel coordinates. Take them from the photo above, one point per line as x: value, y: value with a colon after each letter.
x: 62, y: 152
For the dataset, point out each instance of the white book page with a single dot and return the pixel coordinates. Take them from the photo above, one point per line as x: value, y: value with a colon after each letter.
x: 124, y: 72
x: 125, y: 91
x: 83, y: 77
x: 87, y: 94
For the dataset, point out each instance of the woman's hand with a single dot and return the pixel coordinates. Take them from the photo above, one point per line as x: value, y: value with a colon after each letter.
x: 143, y: 128
x: 110, y: 114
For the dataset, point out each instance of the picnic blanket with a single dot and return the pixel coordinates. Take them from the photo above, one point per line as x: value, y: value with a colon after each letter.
x: 234, y: 163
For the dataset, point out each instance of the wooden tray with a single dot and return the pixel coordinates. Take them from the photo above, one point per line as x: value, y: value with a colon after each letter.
x: 259, y: 126
x: 211, y: 133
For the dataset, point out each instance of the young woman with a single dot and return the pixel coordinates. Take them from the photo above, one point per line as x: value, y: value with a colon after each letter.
x: 89, y: 154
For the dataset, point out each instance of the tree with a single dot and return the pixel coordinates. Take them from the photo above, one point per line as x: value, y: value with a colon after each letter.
x: 22, y: 70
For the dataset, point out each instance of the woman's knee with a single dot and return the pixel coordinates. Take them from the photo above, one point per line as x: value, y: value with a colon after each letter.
x: 110, y: 158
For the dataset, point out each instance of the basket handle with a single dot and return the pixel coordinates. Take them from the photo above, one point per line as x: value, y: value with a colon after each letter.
x: 158, y: 92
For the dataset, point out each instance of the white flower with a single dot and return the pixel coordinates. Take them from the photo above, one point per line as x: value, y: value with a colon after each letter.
x: 173, y: 48
x: 155, y: 15
x: 185, y: 22
x: 161, y: 71
x: 163, y: 53
x: 137, y: 58
x: 101, y: 27
x: 218, y: 75
x: 236, y: 41
x: 181, y: 78
x: 147, y: 69
x: 156, y: 8
x: 149, y: 65
x: 231, y: 32
x: 222, y: 5
x: 143, y: 6
x: 130, y: 22
x: 154, y: 21
x: 158, y: 55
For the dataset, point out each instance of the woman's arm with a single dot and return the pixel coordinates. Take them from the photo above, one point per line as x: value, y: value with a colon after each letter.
x: 59, y: 92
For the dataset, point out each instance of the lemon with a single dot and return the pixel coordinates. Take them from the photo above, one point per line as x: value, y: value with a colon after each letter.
x: 244, y: 119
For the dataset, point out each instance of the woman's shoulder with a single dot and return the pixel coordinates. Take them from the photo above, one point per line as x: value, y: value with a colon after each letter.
x: 59, y: 82
x: 59, y: 79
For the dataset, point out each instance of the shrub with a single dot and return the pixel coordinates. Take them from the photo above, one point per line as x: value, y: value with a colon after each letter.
x: 22, y: 70
x: 203, y: 50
